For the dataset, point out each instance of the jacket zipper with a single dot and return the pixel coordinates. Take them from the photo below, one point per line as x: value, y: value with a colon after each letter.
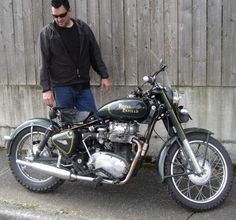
x: 77, y: 69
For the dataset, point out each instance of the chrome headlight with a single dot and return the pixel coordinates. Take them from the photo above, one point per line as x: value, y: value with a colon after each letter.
x: 183, y: 114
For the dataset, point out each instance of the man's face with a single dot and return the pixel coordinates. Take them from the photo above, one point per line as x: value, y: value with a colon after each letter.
x: 61, y: 16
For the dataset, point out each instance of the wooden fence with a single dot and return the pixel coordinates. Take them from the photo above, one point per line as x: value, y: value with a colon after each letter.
x: 197, y: 39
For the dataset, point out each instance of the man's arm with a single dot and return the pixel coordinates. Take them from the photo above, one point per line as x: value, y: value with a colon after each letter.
x: 44, y: 59
x: 95, y: 55
x: 44, y: 56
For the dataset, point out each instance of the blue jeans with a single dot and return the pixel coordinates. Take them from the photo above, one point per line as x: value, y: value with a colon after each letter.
x: 68, y: 97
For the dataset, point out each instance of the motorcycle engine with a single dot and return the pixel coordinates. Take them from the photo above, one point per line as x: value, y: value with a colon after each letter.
x: 108, y: 165
x: 114, y: 159
x: 122, y: 132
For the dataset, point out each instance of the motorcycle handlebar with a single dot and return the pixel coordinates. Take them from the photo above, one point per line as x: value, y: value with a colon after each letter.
x: 148, y: 79
x: 151, y: 79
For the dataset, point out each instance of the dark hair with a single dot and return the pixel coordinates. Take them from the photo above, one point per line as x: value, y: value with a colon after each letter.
x: 59, y: 3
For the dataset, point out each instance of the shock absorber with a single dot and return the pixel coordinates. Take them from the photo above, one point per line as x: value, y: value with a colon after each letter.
x: 43, y: 142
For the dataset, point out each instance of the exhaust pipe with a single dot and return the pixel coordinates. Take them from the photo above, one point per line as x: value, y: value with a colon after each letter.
x: 53, y: 171
x: 67, y: 175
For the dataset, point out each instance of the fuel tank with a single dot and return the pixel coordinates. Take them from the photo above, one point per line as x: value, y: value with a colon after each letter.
x: 125, y: 109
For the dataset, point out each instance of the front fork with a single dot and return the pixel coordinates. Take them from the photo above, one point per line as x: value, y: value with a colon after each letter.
x: 179, y: 130
x: 193, y: 160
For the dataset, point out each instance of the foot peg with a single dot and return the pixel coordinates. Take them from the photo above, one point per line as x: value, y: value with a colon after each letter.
x: 98, y: 181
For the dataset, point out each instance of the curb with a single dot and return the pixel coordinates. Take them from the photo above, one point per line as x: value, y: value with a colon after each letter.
x: 12, y: 211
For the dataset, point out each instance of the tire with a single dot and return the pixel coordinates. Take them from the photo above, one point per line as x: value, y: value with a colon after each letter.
x: 22, y: 149
x: 194, y: 192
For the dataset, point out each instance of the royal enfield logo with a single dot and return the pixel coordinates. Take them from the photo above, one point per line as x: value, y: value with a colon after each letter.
x: 63, y: 142
x: 128, y: 109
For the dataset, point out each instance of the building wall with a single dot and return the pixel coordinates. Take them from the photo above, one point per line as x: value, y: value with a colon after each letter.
x: 195, y: 38
x: 211, y: 108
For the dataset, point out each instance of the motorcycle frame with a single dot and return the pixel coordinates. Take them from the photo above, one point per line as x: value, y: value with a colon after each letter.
x: 173, y: 126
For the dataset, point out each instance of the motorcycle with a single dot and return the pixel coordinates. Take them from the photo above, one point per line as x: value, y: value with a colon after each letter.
x: 108, y: 148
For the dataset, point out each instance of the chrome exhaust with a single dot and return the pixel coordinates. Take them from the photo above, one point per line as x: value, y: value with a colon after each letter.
x: 53, y: 171
x: 67, y: 175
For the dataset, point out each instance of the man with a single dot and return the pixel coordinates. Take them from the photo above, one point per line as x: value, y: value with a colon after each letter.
x: 68, y: 49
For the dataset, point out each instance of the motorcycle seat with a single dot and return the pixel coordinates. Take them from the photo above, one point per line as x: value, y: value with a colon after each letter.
x: 71, y: 115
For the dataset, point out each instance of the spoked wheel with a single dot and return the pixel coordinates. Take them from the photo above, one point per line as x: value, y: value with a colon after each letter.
x: 200, y: 193
x: 23, y: 149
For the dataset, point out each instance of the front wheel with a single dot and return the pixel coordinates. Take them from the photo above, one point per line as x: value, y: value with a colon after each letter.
x: 199, y: 193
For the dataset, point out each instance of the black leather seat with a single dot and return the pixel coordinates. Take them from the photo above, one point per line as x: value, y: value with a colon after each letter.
x: 70, y: 115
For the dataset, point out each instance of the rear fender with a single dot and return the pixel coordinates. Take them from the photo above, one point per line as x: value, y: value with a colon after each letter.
x: 169, y: 143
x: 40, y: 122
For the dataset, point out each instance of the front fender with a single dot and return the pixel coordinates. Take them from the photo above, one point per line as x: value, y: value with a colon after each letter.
x: 41, y: 122
x: 170, y: 142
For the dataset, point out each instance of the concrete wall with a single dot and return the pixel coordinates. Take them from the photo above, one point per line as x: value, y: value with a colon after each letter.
x: 212, y: 108
x: 195, y: 38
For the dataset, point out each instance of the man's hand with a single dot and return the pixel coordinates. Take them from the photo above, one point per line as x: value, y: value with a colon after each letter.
x: 105, y: 85
x: 48, y: 98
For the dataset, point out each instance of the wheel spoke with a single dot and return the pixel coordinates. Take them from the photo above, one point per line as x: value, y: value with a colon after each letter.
x: 181, y: 179
x: 187, y: 191
x: 212, y: 189
x: 197, y: 150
x: 200, y: 195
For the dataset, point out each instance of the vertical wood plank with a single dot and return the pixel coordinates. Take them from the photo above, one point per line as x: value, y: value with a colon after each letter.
x: 47, y: 15
x: 29, y: 42
x: 19, y: 76
x: 3, y: 60
x: 93, y: 17
x: 171, y: 38
x: 143, y: 17
x: 93, y: 22
x: 81, y: 9
x: 185, y: 43
x: 118, y: 42
x: 229, y: 45
x: 157, y: 33
x: 8, y: 36
x: 73, y: 8
x: 131, y: 62
x: 199, y: 42
x: 214, y: 43
x: 37, y: 11
x: 106, y: 35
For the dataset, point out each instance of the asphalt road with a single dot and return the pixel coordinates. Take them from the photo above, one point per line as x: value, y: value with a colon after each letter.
x: 142, y: 198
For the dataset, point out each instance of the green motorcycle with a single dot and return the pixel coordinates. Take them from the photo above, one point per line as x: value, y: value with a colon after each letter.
x: 108, y: 148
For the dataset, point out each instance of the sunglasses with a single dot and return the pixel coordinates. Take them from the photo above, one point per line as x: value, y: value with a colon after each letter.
x: 61, y: 15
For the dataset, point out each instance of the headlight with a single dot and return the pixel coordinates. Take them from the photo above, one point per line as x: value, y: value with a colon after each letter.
x: 183, y: 114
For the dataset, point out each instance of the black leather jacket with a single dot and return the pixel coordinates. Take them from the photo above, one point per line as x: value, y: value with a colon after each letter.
x: 57, y: 67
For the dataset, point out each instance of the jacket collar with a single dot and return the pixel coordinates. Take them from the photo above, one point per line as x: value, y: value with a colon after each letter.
x: 80, y: 30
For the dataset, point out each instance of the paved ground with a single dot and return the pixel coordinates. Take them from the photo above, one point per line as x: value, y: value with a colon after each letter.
x: 143, y: 198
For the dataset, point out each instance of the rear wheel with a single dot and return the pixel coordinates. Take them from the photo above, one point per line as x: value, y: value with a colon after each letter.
x: 22, y: 149
x: 200, y: 193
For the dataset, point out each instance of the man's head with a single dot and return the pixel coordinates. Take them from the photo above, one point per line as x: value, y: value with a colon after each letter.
x: 61, y: 12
